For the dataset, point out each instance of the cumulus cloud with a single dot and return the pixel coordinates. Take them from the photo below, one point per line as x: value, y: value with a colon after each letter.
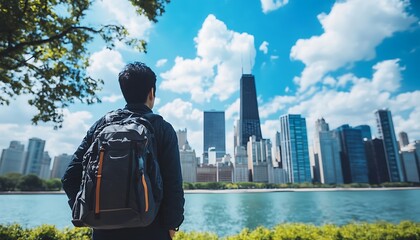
x: 181, y: 115
x: 232, y: 112
x: 277, y: 104
x: 216, y: 70
x: 161, y: 62
x: 272, y: 5
x: 112, y: 98
x: 106, y: 64
x: 353, y: 29
x: 264, y: 47
x: 123, y: 12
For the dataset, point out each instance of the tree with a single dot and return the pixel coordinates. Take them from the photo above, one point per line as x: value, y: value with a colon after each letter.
x: 53, y: 184
x: 31, y: 182
x: 43, y: 52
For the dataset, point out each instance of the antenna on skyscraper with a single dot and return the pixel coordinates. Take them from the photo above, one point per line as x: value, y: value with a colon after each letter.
x: 242, y: 64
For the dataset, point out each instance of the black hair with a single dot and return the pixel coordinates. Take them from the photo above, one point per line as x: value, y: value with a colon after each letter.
x: 136, y: 80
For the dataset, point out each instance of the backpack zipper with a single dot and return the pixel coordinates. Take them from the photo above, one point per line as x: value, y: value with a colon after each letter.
x: 98, y: 179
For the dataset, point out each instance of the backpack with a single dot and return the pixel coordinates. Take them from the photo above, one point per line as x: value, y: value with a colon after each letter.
x: 121, y: 182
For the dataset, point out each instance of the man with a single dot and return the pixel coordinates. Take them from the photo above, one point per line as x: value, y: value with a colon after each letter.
x: 138, y: 85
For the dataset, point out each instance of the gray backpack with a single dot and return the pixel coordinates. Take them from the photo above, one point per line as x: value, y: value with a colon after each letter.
x: 121, y: 183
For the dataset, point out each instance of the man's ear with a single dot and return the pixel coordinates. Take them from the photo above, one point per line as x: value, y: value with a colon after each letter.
x: 151, y: 93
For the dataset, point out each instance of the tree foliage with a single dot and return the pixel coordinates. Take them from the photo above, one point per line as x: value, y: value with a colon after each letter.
x: 43, y: 52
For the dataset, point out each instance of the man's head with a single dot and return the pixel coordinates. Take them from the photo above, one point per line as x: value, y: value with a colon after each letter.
x: 136, y: 82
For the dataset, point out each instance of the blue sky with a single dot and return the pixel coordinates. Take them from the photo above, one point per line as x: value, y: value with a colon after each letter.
x: 340, y: 60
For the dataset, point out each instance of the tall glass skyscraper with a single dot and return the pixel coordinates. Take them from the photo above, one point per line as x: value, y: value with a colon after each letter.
x: 34, y: 156
x: 294, y: 148
x: 12, y: 158
x: 353, y: 157
x: 387, y: 134
x: 249, y: 118
x: 214, y: 133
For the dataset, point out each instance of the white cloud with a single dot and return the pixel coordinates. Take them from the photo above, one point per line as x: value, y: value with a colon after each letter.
x: 212, y: 72
x: 106, y: 64
x: 112, y: 98
x: 353, y: 29
x: 124, y: 13
x: 271, y: 5
x: 181, y: 115
x: 232, y: 112
x: 275, y: 105
x: 274, y: 57
x: 264, y: 47
x: 161, y: 62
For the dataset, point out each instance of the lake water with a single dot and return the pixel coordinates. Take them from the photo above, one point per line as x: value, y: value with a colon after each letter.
x: 227, y: 214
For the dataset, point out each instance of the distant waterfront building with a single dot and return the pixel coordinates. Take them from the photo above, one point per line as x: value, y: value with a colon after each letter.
x: 377, y: 166
x: 249, y: 119
x: 411, y: 168
x: 403, y: 139
x: 12, y: 158
x: 214, y: 135
x: 277, y: 156
x: 45, y: 171
x: 187, y: 157
x: 241, y: 165
x: 387, y: 134
x: 353, y: 158
x: 327, y: 154
x: 34, y: 156
x: 60, y: 165
x: 259, y: 159
x: 294, y: 147
x: 207, y: 173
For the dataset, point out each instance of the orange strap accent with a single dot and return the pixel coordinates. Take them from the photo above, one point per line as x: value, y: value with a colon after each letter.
x: 146, y: 193
x: 98, y: 179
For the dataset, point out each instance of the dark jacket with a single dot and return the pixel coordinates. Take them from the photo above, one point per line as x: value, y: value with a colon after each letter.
x: 171, y: 211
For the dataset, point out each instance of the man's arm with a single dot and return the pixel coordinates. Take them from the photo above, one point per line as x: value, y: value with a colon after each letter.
x: 172, y: 206
x: 73, y: 176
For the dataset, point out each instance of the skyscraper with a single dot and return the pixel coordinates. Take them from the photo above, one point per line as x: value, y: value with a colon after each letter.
x: 187, y: 157
x: 259, y: 159
x: 12, y: 158
x: 387, y: 134
x: 375, y: 155
x: 214, y: 134
x: 403, y: 139
x: 34, y: 156
x: 327, y: 154
x: 249, y: 119
x: 294, y: 148
x: 60, y: 165
x: 366, y: 133
x: 353, y: 157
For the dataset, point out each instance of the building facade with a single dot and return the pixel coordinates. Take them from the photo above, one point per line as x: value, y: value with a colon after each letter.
x: 377, y: 166
x: 403, y: 139
x: 327, y: 154
x: 294, y: 148
x: 60, y: 165
x: 12, y: 158
x: 387, y: 134
x: 34, y: 156
x: 259, y: 159
x: 353, y: 155
x: 214, y: 135
x: 249, y: 119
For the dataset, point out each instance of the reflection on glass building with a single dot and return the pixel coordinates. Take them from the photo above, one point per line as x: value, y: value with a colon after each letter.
x: 214, y: 134
x: 294, y: 148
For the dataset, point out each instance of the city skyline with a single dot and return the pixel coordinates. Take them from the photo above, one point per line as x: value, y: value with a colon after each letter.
x: 333, y: 59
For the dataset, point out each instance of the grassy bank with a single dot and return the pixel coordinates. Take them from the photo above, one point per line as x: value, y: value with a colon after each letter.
x: 381, y: 230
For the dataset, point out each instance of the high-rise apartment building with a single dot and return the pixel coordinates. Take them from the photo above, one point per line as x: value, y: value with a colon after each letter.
x: 214, y: 134
x: 241, y: 173
x: 387, y: 134
x: 34, y: 156
x: 249, y: 118
x: 294, y: 148
x: 45, y: 170
x: 353, y: 155
x: 60, y: 165
x: 187, y: 157
x: 12, y: 158
x: 327, y: 154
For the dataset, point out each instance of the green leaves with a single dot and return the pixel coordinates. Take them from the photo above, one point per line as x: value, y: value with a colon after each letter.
x: 43, y: 52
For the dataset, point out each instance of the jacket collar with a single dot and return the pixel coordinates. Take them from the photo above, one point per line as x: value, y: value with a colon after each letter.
x: 138, y: 107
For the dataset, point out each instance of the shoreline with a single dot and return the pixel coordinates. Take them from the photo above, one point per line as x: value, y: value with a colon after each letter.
x: 225, y: 191
x: 268, y: 190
